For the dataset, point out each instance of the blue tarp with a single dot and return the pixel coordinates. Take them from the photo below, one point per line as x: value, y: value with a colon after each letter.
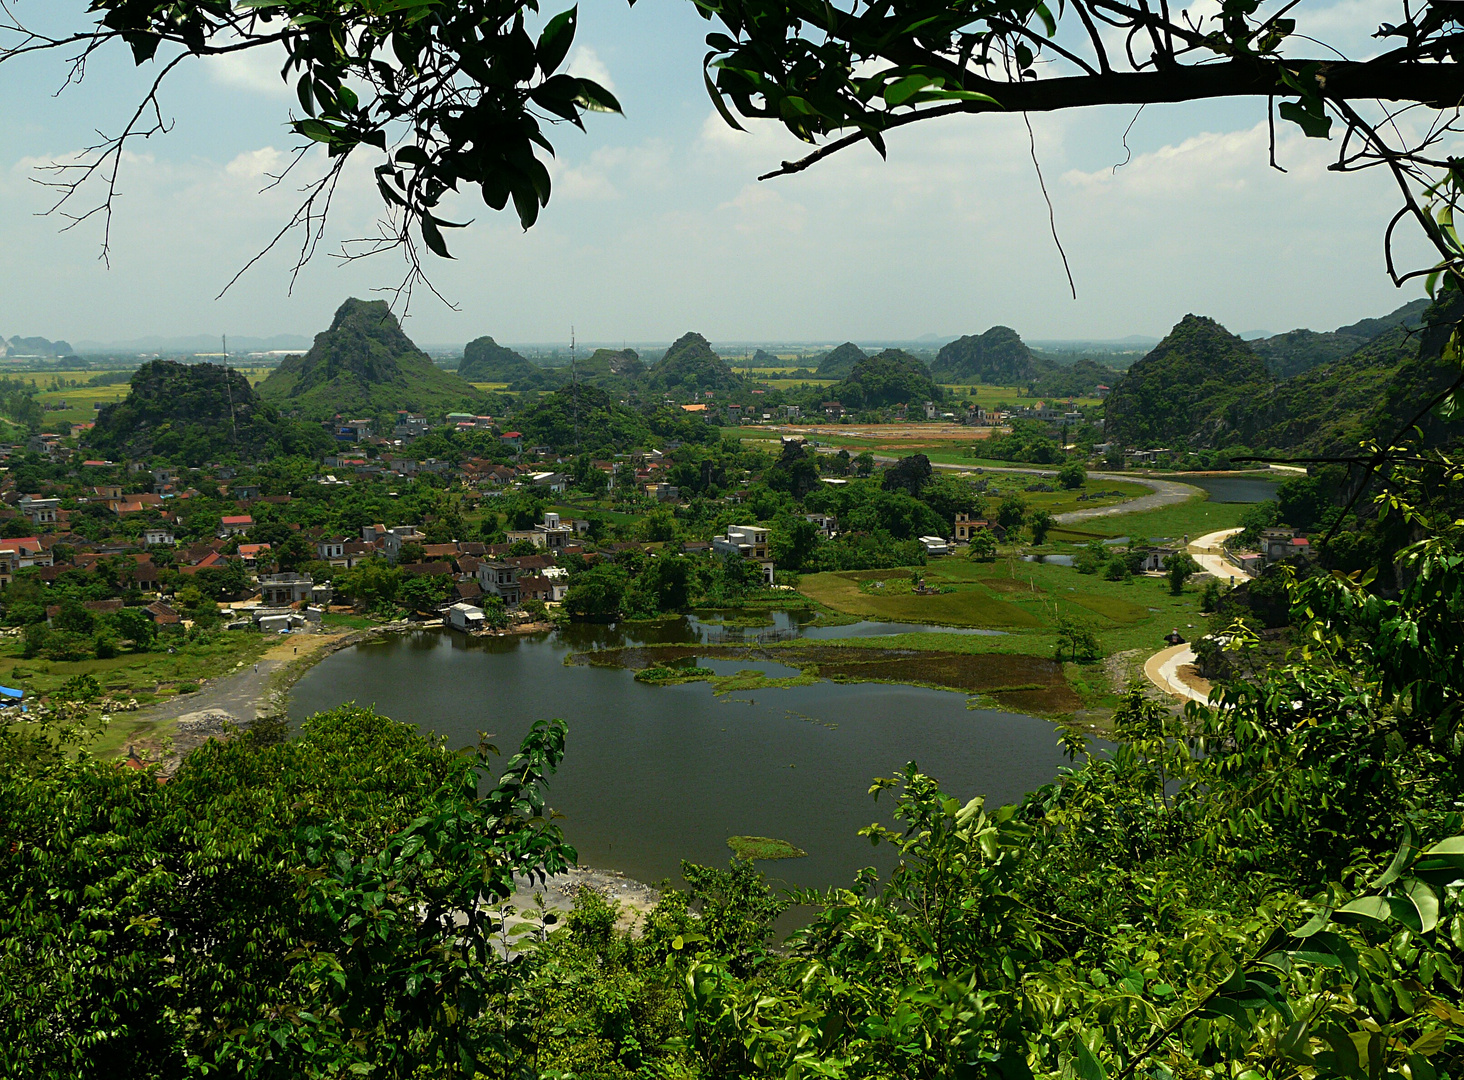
x: 6, y: 691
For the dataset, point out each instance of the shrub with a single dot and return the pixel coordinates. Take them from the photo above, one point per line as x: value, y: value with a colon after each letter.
x: 1072, y: 475
x: 187, y: 688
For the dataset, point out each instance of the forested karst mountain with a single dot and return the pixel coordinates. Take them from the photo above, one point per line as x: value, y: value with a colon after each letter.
x: 1079, y: 379
x: 33, y: 346
x: 1370, y: 394
x: 613, y: 370
x: 1198, y: 369
x: 998, y: 356
x: 1296, y: 351
x: 365, y: 364
x: 198, y: 413
x: 484, y: 360
x: 838, y: 363
x: 690, y: 366
x: 892, y: 377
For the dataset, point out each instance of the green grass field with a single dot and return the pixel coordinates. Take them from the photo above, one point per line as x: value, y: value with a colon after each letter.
x: 149, y: 677
x: 1192, y: 519
x: 1022, y: 599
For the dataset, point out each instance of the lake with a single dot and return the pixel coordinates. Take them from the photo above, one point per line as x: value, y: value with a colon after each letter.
x: 1233, y: 489
x: 654, y: 775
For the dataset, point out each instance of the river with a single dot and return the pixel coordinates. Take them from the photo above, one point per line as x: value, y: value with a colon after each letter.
x: 654, y: 775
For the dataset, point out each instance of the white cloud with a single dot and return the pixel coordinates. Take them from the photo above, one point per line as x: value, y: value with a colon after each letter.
x: 254, y: 70
x: 585, y: 63
x: 263, y: 164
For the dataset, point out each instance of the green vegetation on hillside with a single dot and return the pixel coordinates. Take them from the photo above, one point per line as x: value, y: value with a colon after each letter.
x: 486, y: 361
x: 839, y: 362
x: 1183, y: 385
x: 1369, y: 394
x: 892, y: 377
x: 365, y: 366
x: 195, y: 413
x: 690, y: 367
x: 1203, y: 388
x: 997, y: 356
x: 1301, y: 350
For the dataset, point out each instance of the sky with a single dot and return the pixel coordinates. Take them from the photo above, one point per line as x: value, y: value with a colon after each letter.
x: 658, y: 225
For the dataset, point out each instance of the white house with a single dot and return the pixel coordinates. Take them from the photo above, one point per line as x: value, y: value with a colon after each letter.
x: 500, y: 579
x: 156, y: 535
x: 552, y: 535
x: 40, y: 511
x: 465, y: 617
x: 748, y: 541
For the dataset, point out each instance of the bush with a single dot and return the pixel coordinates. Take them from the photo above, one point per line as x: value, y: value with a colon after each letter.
x: 187, y: 688
x: 67, y: 645
x: 1092, y: 558
x: 1117, y: 568
x: 1072, y: 475
x: 78, y: 688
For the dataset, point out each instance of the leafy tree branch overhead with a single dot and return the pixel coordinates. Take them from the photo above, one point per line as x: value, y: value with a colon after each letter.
x: 456, y: 94
x: 452, y: 95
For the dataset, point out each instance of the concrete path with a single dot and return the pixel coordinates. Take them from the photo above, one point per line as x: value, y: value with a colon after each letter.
x: 1162, y: 669
x: 1208, y: 551
x: 1166, y: 493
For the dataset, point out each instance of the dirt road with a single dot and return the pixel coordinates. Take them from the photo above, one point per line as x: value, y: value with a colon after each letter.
x: 251, y: 690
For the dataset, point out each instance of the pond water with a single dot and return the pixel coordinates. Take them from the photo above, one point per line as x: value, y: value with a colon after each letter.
x: 654, y: 775
x: 1233, y: 489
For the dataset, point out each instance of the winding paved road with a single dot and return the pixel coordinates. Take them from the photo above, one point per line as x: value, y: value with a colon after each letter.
x: 1165, y: 492
x: 1208, y: 551
x: 1163, y: 671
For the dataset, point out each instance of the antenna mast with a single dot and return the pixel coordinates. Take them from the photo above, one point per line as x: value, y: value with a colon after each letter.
x: 574, y: 378
x: 229, y: 387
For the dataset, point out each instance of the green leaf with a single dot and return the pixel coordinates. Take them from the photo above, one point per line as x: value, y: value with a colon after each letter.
x: 593, y: 97
x: 1295, y: 1042
x: 1316, y: 922
x: 902, y: 90
x: 555, y: 41
x: 1088, y: 1067
x: 1426, y: 901
x: 1315, y: 124
x: 432, y: 237
x: 1404, y: 855
x: 1368, y: 908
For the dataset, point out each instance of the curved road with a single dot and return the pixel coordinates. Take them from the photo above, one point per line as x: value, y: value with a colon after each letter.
x: 1166, y: 492
x: 1163, y: 671
x: 1208, y: 551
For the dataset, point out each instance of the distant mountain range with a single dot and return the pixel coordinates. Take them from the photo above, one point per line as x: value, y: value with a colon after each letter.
x: 196, y: 343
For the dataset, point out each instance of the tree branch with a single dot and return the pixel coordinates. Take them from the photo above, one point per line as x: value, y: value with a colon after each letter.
x: 1439, y: 85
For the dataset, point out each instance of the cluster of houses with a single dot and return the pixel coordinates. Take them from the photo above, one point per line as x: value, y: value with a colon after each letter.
x: 1277, y: 544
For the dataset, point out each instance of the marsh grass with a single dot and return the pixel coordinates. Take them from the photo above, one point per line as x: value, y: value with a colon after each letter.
x: 755, y: 848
